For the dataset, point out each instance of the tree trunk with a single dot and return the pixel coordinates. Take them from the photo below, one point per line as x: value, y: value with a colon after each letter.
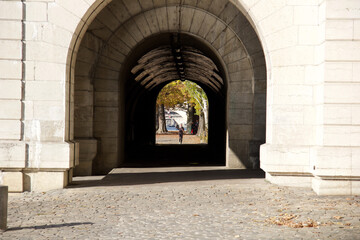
x: 202, y: 131
x: 157, y: 118
x: 162, y: 121
x: 190, y: 119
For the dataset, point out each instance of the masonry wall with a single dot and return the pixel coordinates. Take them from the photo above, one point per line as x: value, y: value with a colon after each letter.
x: 312, y: 54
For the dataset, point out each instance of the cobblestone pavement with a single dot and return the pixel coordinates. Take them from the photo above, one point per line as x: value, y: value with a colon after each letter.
x: 173, y: 138
x: 181, y: 203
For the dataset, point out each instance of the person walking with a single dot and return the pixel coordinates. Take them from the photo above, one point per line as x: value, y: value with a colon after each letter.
x: 181, y: 133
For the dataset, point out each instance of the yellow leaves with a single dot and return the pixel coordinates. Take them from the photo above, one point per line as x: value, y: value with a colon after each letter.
x: 289, y: 221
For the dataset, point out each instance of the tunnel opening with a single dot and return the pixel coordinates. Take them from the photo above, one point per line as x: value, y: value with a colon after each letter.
x: 182, y: 114
x: 107, y: 97
x: 152, y: 67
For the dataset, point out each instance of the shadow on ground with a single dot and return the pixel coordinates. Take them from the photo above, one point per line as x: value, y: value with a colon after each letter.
x: 126, y: 178
x: 50, y: 226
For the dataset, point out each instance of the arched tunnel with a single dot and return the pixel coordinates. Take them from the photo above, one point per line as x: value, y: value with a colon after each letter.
x: 132, y: 49
x: 161, y: 59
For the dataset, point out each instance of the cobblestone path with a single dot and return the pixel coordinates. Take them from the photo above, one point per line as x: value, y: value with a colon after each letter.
x: 181, y: 203
x: 173, y: 138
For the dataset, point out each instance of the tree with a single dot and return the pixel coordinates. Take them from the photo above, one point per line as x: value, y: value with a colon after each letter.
x: 199, y: 98
x: 189, y: 96
x: 171, y: 95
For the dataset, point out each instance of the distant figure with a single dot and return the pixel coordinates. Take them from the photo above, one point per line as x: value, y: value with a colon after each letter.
x: 181, y: 133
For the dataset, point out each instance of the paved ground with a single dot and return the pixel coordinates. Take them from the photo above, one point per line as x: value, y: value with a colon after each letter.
x: 173, y: 138
x: 181, y: 203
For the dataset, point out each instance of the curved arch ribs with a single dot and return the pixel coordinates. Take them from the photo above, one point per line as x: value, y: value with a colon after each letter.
x: 162, y: 64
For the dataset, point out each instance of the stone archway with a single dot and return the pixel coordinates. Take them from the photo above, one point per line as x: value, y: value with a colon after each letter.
x: 115, y: 36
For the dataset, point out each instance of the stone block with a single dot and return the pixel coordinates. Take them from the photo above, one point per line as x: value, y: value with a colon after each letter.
x: 263, y: 9
x: 109, y: 145
x: 331, y: 187
x: 241, y: 75
x: 14, y: 180
x: 44, y: 91
x: 3, y: 207
x: 10, y: 49
x: 83, y: 114
x: 46, y: 71
x: 83, y: 83
x: 11, y: 10
x: 339, y: 29
x: 240, y: 116
x: 41, y: 155
x: 260, y: 86
x: 152, y: 20
x: 106, y: 74
x: 83, y: 129
x: 356, y: 29
x: 87, y: 153
x: 356, y: 72
x: 242, y: 101
x: 306, y: 15
x: 259, y: 132
x: 12, y: 154
x: 42, y: 130
x: 106, y: 129
x: 347, y: 9
x: 62, y: 17
x: 293, y: 94
x: 131, y: 27
x: 355, y: 114
x: 237, y: 88
x: 290, y: 181
x: 10, y: 129
x: 342, y: 50
x: 36, y: 11
x: 285, y: 158
x: 13, y: 69
x: 83, y: 98
x: 295, y: 133
x: 10, y: 109
x: 337, y: 114
x: 46, y: 52
x: 10, y: 30
x: 196, y: 22
x: 10, y: 89
x: 106, y: 99
x: 287, y: 114
x: 309, y: 35
x: 331, y: 93
x: 240, y: 132
x: 48, y: 110
x: 239, y: 66
x: 81, y: 6
x: 297, y: 55
x: 45, y: 181
x: 338, y: 72
x: 289, y: 75
x: 289, y: 37
x: 325, y: 159
x: 260, y: 101
x: 218, y: 28
x: 278, y: 20
x: 106, y: 114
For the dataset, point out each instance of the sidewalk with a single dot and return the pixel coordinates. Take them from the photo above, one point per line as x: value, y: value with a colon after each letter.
x: 181, y: 203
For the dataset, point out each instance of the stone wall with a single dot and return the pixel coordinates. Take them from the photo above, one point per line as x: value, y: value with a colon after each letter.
x: 311, y: 50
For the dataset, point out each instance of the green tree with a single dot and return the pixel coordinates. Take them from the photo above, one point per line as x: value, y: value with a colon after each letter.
x: 199, y: 100
x: 173, y: 94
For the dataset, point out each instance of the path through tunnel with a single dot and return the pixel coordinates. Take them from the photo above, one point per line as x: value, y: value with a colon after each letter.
x: 156, y: 62
x: 129, y: 50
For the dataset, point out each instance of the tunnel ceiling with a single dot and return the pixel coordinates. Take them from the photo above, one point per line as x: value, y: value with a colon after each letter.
x: 124, y: 24
x: 176, y: 62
